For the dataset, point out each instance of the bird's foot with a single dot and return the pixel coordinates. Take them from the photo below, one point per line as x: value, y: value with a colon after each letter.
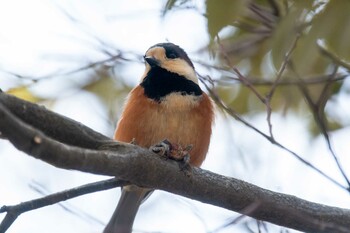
x: 162, y: 148
x: 133, y: 141
x: 175, y: 152
x: 183, y: 156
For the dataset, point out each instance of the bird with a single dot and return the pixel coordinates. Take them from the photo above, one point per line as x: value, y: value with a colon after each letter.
x: 168, y: 103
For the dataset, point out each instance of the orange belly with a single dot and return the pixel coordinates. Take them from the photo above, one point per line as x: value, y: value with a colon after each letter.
x: 183, y: 120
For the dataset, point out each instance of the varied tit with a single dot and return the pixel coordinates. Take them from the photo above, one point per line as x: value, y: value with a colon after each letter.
x: 167, y: 104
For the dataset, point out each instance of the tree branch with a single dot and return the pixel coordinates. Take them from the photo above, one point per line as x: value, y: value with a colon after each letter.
x: 54, y: 125
x: 239, y: 118
x: 13, y: 212
x: 141, y: 167
x: 317, y: 110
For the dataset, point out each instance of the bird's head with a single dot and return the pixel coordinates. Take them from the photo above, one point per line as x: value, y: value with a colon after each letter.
x: 169, y: 72
x: 171, y: 58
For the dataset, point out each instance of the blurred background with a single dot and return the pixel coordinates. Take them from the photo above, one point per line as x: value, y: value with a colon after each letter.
x: 278, y: 72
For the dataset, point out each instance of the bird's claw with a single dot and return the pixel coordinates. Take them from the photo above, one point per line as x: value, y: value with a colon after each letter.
x: 162, y: 148
x: 175, y: 152
x: 185, y: 165
x: 133, y: 141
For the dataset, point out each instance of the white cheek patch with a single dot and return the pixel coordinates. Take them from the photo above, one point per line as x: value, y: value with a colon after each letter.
x: 182, y: 68
x: 178, y: 66
x: 156, y: 52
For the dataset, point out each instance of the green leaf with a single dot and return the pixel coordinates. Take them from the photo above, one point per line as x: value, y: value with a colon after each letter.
x: 332, y: 25
x: 223, y: 13
x: 283, y: 37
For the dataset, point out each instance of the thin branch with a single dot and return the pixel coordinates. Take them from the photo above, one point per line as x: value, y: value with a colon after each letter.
x: 14, y: 211
x: 334, y: 57
x: 275, y: 7
x: 322, y: 121
x: 104, y: 46
x: 317, y: 110
x: 238, y: 73
x: 249, y: 209
x: 242, y: 46
x: 262, y: 15
x: 265, y: 101
x: 266, y: 81
x: 274, y: 86
x: 235, y: 115
x: 91, y: 65
x: 202, y: 185
x: 251, y: 28
x: 37, y: 187
x: 309, y: 80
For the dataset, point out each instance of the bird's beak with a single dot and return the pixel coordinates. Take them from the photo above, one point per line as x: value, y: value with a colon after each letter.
x: 152, y: 61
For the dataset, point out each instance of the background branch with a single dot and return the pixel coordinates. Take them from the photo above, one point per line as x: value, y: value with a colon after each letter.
x: 235, y: 115
x: 13, y: 212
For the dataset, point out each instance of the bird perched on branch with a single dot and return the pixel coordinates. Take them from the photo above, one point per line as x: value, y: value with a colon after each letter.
x: 167, y: 104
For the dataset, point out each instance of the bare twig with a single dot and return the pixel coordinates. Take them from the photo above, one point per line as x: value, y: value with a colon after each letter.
x: 274, y: 86
x: 254, y: 29
x: 245, y: 212
x: 264, y: 81
x: 239, y: 75
x: 235, y: 115
x: 104, y: 46
x: 274, y: 7
x: 265, y: 101
x: 334, y: 57
x: 91, y: 65
x: 317, y: 110
x: 322, y: 121
x: 39, y: 188
x: 308, y: 80
x: 14, y: 211
x: 262, y: 15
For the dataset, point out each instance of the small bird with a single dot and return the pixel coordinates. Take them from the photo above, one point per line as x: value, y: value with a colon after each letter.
x: 167, y: 104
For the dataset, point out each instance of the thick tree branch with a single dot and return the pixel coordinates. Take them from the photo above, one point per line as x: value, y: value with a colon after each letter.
x: 141, y: 167
x: 55, y: 126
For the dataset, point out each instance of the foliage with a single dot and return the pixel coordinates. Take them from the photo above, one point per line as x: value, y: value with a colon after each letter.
x: 255, y: 37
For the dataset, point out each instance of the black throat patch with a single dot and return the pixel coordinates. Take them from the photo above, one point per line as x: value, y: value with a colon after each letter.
x: 159, y: 82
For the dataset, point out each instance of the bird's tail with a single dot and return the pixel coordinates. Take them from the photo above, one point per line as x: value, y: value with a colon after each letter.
x: 128, y: 205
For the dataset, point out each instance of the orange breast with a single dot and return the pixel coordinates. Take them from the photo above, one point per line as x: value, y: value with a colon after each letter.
x: 181, y: 119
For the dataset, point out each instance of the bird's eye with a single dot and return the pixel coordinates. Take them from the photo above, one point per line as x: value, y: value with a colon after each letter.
x: 171, y: 56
